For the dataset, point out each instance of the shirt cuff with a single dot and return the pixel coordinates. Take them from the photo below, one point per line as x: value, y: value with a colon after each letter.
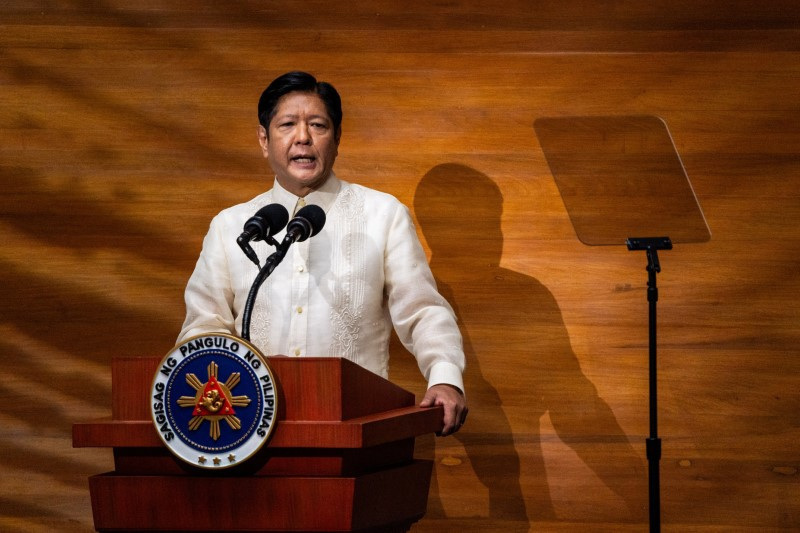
x: 446, y: 373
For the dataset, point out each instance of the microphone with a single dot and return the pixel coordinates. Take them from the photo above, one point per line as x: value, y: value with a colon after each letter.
x: 306, y: 223
x: 267, y: 221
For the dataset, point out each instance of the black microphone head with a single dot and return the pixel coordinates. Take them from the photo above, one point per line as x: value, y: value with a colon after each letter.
x: 267, y: 221
x: 308, y: 222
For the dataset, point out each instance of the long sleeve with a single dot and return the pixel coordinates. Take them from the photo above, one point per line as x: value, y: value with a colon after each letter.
x: 423, y: 320
x: 209, y: 296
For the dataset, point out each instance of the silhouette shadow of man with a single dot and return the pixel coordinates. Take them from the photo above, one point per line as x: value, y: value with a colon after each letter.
x: 520, y: 364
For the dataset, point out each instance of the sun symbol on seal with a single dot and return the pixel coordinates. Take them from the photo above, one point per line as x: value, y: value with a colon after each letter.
x: 213, y: 401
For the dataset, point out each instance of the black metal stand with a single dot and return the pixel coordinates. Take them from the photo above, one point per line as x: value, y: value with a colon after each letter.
x: 651, y: 246
x: 269, y: 265
x: 308, y: 221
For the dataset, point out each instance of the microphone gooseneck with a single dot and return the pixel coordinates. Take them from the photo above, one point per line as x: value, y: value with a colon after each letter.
x: 306, y: 223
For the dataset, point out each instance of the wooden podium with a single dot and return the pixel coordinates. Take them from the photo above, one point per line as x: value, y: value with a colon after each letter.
x: 341, y: 458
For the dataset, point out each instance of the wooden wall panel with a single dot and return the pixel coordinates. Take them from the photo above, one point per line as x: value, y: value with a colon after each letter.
x: 125, y: 128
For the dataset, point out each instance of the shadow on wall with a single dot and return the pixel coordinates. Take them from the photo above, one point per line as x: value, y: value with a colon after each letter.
x: 520, y: 364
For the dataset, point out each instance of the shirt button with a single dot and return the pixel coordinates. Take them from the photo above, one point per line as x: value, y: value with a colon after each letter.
x: 301, y: 268
x: 299, y: 309
x: 297, y: 351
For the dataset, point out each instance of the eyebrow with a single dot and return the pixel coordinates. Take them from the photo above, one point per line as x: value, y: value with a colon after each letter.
x: 295, y: 116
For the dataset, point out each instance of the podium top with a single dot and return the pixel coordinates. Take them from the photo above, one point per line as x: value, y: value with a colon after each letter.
x: 316, y: 389
x: 621, y: 177
x: 333, y: 389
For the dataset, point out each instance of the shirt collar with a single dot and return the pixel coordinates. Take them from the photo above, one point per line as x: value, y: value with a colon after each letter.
x: 323, y: 197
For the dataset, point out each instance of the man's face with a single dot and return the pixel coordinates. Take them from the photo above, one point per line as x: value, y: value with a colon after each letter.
x: 301, y: 146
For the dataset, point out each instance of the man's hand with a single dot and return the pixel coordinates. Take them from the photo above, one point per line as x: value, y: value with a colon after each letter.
x: 454, y: 403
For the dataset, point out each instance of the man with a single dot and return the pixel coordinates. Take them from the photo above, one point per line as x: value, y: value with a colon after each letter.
x: 338, y: 293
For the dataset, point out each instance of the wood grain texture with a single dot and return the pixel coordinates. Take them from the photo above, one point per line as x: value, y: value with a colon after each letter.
x: 363, y: 503
x: 325, y: 468
x: 125, y: 127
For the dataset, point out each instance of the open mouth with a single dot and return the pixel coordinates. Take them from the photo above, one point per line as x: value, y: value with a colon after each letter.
x: 303, y: 159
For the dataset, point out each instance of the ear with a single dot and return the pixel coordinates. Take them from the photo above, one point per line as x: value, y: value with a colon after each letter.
x: 263, y: 140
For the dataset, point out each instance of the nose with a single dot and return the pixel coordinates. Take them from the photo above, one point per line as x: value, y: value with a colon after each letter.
x: 303, y: 135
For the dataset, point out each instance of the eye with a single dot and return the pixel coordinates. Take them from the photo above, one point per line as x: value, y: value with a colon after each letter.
x: 284, y: 124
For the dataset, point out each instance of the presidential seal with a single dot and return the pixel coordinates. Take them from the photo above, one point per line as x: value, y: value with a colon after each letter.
x: 214, y: 401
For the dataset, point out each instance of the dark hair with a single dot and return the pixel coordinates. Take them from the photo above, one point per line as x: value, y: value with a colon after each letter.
x: 297, y: 81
